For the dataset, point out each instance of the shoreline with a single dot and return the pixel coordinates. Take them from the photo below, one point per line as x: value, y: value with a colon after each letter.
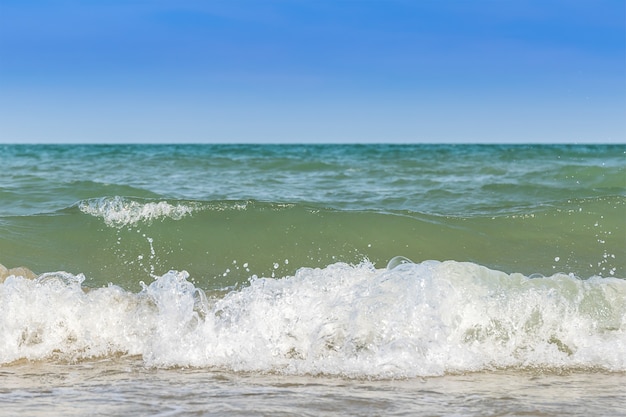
x: 119, y: 386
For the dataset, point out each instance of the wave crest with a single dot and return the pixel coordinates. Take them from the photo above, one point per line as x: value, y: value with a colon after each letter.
x: 120, y: 212
x: 419, y: 319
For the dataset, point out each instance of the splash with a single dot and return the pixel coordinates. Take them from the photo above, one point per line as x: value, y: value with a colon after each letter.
x: 415, y: 319
x: 120, y: 212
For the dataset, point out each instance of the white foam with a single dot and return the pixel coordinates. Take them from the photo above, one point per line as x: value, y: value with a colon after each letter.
x: 119, y: 211
x: 52, y: 316
x: 415, y: 319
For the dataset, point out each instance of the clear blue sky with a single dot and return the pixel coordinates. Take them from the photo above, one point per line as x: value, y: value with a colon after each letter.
x: 312, y: 71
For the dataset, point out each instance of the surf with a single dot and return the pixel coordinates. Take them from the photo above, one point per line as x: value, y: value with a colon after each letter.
x: 405, y: 320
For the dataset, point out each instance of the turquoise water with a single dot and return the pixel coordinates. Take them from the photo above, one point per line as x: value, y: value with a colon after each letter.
x: 123, y: 213
x: 359, y: 262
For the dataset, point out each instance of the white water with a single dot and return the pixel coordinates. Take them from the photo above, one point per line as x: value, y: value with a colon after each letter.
x: 119, y: 212
x: 413, y: 320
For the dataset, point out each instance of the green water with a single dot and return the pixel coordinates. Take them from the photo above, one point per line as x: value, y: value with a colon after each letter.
x: 110, y: 212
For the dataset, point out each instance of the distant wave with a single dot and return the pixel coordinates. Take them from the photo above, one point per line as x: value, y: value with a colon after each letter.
x: 120, y: 211
x: 124, y: 239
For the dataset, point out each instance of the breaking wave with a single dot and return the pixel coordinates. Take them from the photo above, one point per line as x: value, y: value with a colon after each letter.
x: 120, y: 212
x: 405, y: 320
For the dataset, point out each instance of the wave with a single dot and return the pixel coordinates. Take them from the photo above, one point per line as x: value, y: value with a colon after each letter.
x: 405, y: 320
x: 119, y: 211
x: 580, y: 235
x: 221, y: 243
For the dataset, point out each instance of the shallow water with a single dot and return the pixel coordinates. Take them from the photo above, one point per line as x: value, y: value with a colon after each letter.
x: 124, y: 386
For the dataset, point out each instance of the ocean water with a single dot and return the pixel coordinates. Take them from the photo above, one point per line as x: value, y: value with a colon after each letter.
x: 313, y: 279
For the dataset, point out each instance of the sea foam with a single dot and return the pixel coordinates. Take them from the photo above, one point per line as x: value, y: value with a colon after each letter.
x: 119, y: 211
x: 411, y: 320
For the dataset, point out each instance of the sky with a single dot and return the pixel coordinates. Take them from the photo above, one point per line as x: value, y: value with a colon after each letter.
x: 309, y: 71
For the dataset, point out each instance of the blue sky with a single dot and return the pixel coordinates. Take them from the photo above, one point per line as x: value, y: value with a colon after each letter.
x: 313, y: 71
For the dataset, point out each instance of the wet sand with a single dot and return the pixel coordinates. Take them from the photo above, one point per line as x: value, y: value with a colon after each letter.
x: 124, y: 386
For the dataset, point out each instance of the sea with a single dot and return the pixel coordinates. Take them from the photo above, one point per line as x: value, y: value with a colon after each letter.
x: 312, y: 280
